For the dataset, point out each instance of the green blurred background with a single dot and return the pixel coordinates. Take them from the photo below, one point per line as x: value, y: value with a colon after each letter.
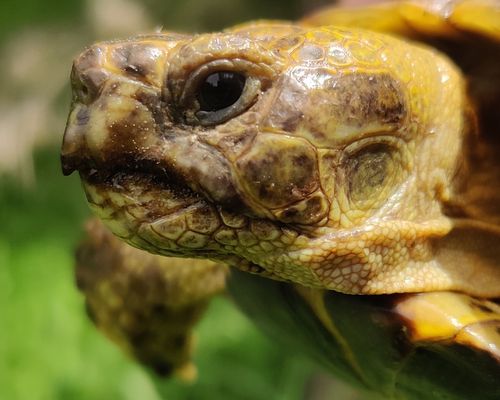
x: 48, y: 348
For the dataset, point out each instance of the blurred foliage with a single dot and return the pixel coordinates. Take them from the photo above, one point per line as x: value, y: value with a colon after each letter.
x: 15, y: 15
x: 48, y: 347
x: 218, y: 14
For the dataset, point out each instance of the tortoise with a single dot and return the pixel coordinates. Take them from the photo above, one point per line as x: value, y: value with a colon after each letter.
x: 351, y: 159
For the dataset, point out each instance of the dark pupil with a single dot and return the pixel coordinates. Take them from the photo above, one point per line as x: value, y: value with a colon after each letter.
x: 220, y: 90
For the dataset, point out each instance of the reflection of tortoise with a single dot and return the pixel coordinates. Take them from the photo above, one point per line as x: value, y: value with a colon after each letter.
x: 326, y: 157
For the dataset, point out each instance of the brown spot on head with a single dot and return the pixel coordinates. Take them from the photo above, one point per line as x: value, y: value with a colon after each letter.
x: 371, y: 98
x: 279, y: 170
x: 132, y: 59
x: 327, y: 106
x: 88, y: 76
x: 360, y: 99
x: 139, y: 60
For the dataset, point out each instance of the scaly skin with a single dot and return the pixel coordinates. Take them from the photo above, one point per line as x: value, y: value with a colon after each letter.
x: 352, y: 162
x: 332, y: 176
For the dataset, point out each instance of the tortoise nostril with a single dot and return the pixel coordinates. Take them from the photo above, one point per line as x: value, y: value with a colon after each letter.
x: 81, y: 93
x: 87, y: 84
x: 85, y: 90
x: 89, y: 74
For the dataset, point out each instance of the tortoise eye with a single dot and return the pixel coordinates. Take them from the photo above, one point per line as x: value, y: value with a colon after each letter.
x: 370, y: 171
x: 220, y: 90
x: 217, y: 91
x: 223, y: 95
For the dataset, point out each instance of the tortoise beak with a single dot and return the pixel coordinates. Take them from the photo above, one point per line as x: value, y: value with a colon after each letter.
x: 67, y: 161
x: 72, y: 147
x: 74, y: 150
x: 67, y: 165
x: 88, y: 75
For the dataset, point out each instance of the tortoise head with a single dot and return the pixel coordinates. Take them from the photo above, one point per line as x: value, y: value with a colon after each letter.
x: 322, y: 156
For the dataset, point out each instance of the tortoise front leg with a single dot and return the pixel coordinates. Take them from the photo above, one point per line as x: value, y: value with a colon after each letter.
x: 147, y: 304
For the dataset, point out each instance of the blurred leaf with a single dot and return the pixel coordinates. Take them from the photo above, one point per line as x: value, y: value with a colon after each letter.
x: 19, y: 14
x: 200, y: 15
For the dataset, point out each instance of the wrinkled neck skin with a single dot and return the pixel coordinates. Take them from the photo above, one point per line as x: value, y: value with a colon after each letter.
x: 330, y: 170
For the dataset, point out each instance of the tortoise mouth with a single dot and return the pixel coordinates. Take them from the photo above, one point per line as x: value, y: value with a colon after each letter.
x: 158, y: 213
x: 145, y: 173
x: 149, y: 210
x: 131, y: 178
x: 152, y: 193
